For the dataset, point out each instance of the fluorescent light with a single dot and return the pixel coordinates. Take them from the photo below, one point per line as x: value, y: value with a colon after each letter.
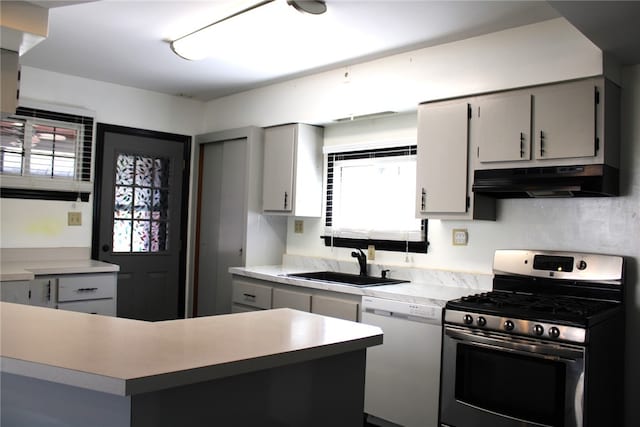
x: 221, y: 34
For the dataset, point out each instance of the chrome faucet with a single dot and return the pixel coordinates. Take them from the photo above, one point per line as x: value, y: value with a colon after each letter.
x: 362, y: 261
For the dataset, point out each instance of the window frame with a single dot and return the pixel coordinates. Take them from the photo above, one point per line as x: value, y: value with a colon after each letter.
x: 390, y: 245
x: 26, y: 185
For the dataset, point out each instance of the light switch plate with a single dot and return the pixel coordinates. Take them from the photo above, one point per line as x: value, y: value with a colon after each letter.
x: 298, y: 226
x: 74, y: 218
x: 460, y: 236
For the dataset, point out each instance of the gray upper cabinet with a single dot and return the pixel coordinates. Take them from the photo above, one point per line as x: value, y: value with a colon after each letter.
x: 504, y: 127
x: 552, y: 125
x: 292, y: 181
x: 565, y: 120
x: 441, y: 175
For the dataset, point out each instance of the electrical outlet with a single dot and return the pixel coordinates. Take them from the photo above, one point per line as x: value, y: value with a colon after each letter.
x: 74, y: 218
x: 298, y: 226
x: 460, y: 236
x: 371, y: 252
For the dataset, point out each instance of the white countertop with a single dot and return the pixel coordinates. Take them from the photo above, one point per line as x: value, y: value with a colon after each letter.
x: 27, y: 270
x: 413, y: 292
x: 125, y: 356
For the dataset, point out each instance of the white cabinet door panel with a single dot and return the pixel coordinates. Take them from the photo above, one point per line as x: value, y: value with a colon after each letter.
x: 565, y: 121
x: 279, y: 157
x: 443, y: 132
x: 283, y: 298
x: 334, y: 307
x: 504, y: 123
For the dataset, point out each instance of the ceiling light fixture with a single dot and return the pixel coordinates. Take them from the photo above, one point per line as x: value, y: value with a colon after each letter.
x: 193, y: 46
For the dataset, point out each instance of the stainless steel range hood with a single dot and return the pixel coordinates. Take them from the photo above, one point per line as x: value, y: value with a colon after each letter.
x: 555, y: 181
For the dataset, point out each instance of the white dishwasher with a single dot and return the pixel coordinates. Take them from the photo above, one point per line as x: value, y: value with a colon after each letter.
x: 403, y: 374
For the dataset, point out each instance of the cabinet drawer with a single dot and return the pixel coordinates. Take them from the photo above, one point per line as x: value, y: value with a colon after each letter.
x: 290, y: 299
x: 105, y: 307
x: 251, y: 294
x: 86, y: 286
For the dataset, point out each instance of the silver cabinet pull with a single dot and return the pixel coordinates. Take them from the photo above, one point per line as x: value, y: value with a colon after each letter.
x: 541, y: 143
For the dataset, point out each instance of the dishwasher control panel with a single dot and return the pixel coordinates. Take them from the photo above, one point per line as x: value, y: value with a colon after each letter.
x: 402, y: 309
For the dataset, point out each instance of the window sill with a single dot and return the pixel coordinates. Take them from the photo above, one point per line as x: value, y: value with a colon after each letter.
x: 380, y: 245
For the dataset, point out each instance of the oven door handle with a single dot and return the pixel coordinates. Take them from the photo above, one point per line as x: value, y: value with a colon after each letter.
x: 517, y: 345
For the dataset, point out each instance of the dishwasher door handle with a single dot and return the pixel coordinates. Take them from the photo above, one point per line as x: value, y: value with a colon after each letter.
x: 379, y: 312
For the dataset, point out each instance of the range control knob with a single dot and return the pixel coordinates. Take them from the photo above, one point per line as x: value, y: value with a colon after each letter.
x: 467, y: 319
x: 481, y: 321
x: 582, y: 265
x: 538, y: 330
x: 554, y: 332
x: 508, y: 325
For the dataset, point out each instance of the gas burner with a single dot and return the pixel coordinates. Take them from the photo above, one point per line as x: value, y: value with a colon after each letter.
x: 523, y: 304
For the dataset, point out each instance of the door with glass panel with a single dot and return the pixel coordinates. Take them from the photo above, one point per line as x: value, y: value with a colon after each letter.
x: 140, y: 225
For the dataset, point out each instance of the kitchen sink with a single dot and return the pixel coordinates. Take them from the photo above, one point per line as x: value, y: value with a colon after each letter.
x: 346, y: 278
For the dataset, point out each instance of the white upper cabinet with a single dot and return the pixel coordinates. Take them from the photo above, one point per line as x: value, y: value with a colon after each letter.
x: 442, y: 167
x: 292, y: 181
x: 565, y: 120
x: 551, y: 125
x: 504, y: 127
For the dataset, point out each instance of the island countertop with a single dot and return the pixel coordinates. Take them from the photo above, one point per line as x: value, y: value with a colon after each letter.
x: 124, y: 356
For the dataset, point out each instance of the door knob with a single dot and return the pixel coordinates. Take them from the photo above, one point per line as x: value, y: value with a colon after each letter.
x: 105, y: 248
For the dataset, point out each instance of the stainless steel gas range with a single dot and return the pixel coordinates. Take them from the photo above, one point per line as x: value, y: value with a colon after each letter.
x: 544, y: 348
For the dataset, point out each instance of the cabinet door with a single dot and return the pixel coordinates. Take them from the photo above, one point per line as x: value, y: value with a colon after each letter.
x: 43, y: 292
x: 565, y: 121
x: 443, y: 136
x: 16, y: 292
x: 279, y: 158
x: 335, y: 307
x: 504, y: 123
x: 283, y: 298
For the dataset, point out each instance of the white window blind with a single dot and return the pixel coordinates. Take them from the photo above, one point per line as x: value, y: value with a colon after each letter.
x: 371, y: 195
x: 45, y: 151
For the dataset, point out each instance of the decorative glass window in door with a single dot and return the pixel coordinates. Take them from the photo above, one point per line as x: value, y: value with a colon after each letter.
x: 141, y: 206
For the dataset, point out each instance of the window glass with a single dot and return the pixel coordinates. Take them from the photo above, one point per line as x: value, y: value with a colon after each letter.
x: 370, y: 200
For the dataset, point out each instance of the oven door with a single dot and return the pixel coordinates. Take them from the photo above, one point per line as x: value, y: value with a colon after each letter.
x: 496, y: 380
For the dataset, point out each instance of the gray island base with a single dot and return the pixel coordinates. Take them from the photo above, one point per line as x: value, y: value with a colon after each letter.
x: 273, y: 368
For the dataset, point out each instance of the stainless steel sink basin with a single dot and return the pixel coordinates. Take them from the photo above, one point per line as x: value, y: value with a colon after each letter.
x: 346, y: 278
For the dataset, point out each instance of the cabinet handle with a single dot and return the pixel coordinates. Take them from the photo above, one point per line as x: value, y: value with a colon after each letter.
x: 249, y: 296
x: 286, y: 197
x: 541, y: 143
x: 521, y: 145
x: 49, y: 290
x: 87, y: 289
x: 423, y: 204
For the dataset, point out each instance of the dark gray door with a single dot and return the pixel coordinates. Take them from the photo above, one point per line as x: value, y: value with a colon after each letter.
x: 140, y: 219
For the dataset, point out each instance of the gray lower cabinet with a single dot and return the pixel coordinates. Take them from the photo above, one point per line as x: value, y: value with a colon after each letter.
x: 15, y: 291
x: 88, y: 293
x: 253, y: 294
x: 250, y: 295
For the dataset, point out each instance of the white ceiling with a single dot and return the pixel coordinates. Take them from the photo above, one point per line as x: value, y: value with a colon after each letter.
x: 125, y: 42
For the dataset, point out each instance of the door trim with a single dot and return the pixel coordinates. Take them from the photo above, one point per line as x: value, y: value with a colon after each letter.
x: 103, y: 128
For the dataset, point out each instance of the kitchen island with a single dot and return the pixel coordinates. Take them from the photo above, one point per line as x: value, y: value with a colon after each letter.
x: 270, y: 368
